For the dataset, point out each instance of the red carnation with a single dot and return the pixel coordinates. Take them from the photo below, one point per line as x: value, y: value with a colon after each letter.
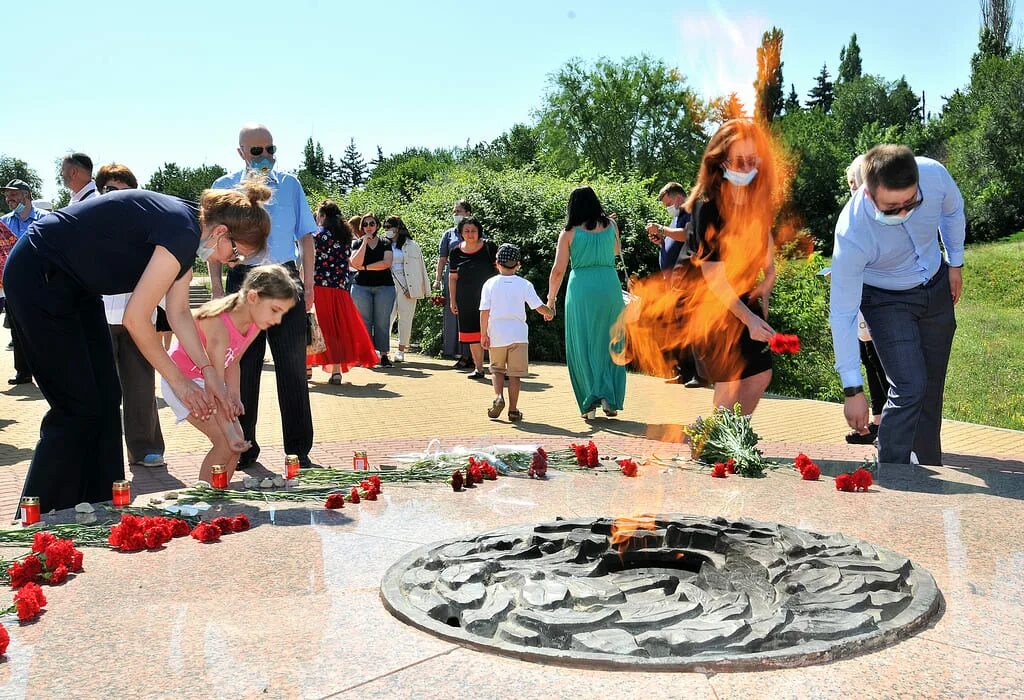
x: 862, y: 479
x: 335, y: 500
x: 5, y: 640
x: 42, y: 540
x: 224, y: 523
x: 240, y: 523
x: 477, y: 473
x: 580, y: 451
x: 353, y: 495
x: 179, y: 528
x: 76, y: 561
x: 628, y: 467
x: 370, y: 495
x: 539, y: 464
x: 377, y: 486
x: 593, y: 459
x: 730, y: 466
x: 206, y: 532
x: 844, y: 482
x: 811, y: 472
x: 782, y: 343
x: 59, y: 553
x: 29, y: 601
x: 718, y: 471
x: 490, y: 473
x: 457, y: 481
x: 801, y: 462
x: 24, y: 571
x: 58, y: 575
x: 157, y: 536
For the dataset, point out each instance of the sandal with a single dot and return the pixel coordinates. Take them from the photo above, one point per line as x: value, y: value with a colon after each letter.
x: 335, y: 379
x: 497, y: 407
x: 607, y: 408
x: 309, y: 373
x: 515, y: 415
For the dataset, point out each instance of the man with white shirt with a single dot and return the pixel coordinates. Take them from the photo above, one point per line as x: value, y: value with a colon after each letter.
x: 76, y: 174
x: 888, y: 264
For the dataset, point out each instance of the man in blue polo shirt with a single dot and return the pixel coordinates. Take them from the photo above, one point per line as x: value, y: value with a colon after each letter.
x: 888, y: 264
x: 18, y: 196
x: 291, y: 230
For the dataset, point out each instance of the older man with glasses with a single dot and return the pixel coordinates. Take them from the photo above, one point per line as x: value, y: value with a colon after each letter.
x: 291, y: 232
x: 888, y: 264
x: 18, y: 198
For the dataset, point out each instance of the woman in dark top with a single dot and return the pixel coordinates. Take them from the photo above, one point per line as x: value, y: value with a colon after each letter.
x: 733, y: 206
x: 374, y: 288
x: 347, y: 343
x: 130, y: 241
x: 471, y: 263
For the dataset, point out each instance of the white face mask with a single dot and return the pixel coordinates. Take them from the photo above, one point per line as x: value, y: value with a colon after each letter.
x: 458, y: 218
x: 390, y: 234
x: 207, y: 248
x: 893, y: 219
x: 740, y: 179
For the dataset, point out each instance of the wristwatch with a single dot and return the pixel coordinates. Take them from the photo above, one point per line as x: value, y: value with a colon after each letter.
x: 851, y: 391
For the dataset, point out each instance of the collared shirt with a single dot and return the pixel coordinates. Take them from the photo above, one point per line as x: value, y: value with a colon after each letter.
x: 890, y: 257
x: 86, y: 192
x: 290, y: 216
x: 18, y: 225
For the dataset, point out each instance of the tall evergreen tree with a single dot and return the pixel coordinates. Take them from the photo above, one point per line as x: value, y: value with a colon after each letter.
x: 849, y: 62
x: 822, y: 94
x: 792, y: 104
x: 996, y: 23
x: 768, y: 86
x: 353, y: 167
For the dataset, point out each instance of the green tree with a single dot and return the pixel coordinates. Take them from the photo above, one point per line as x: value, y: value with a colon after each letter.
x: 352, y: 168
x: 406, y: 172
x: 849, y: 62
x: 12, y: 168
x: 637, y: 115
x: 792, y: 100
x: 313, y: 174
x: 768, y: 86
x: 185, y: 182
x: 822, y: 94
x: 996, y: 24
x: 518, y: 147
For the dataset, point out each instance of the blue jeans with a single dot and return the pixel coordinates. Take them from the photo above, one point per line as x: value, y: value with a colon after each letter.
x: 913, y: 333
x: 374, y: 305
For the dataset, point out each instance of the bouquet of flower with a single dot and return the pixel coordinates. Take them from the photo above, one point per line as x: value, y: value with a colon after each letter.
x: 727, y: 435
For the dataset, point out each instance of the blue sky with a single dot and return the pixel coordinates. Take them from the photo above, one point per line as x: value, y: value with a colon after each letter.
x: 142, y: 83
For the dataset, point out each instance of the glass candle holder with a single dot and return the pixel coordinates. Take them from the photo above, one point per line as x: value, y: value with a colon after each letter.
x: 122, y: 493
x: 360, y: 461
x: 219, y: 476
x: 291, y: 466
x: 29, y: 510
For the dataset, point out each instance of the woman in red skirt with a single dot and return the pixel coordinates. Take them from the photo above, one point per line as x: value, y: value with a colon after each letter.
x: 348, y: 343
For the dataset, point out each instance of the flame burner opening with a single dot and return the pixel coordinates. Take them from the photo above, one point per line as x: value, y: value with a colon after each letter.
x: 668, y: 592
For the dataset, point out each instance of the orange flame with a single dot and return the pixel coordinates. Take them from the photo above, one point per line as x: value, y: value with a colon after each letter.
x: 623, y: 530
x: 769, y: 63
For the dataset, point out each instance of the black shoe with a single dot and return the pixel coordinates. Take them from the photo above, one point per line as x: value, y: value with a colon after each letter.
x: 476, y: 374
x: 10, y: 346
x: 20, y: 379
x: 461, y: 364
x: 385, y: 362
x: 244, y: 464
x: 855, y: 438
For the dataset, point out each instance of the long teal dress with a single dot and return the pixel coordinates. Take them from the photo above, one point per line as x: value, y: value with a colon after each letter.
x: 593, y: 302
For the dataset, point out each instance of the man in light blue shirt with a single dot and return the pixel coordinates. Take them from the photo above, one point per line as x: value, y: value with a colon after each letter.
x: 18, y: 197
x: 291, y: 230
x: 888, y: 264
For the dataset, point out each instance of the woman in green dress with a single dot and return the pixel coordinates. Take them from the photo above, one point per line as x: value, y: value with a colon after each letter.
x: 593, y: 302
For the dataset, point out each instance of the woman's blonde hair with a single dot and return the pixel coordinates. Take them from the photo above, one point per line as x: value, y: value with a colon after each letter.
x: 268, y: 281
x: 241, y: 210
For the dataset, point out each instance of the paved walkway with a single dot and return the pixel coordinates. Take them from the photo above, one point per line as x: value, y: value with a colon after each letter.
x: 404, y: 408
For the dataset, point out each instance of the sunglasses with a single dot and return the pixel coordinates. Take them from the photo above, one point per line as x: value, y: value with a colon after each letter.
x: 370, y: 224
x: 112, y: 188
x: 904, y: 207
x: 743, y: 163
x: 258, y: 150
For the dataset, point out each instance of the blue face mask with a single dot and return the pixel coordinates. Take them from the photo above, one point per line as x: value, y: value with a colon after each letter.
x: 262, y: 166
x: 740, y: 179
x: 893, y: 219
x: 18, y: 209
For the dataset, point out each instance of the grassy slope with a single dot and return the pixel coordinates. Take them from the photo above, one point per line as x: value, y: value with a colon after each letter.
x: 985, y: 383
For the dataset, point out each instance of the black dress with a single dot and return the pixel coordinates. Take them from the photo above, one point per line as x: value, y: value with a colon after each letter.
x: 54, y: 278
x: 473, y: 270
x: 746, y: 357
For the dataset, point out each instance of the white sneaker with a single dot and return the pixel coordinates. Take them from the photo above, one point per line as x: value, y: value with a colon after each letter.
x: 913, y: 458
x: 399, y: 356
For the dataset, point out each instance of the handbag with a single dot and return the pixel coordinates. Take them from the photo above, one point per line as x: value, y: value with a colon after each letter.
x: 314, y: 336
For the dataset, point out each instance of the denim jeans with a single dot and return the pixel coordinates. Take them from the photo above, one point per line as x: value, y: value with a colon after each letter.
x: 374, y: 305
x: 913, y: 332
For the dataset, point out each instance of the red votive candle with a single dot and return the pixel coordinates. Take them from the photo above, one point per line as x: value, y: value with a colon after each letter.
x: 291, y: 466
x: 122, y: 493
x: 29, y: 510
x: 359, y: 461
x: 219, y: 476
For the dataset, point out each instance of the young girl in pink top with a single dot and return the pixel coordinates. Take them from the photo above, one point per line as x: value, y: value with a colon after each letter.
x: 226, y: 328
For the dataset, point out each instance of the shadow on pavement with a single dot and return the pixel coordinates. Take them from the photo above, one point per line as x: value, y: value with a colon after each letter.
x: 920, y: 479
x: 9, y: 454
x: 375, y: 390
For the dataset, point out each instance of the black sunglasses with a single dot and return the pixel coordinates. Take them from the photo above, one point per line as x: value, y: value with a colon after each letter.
x: 258, y: 150
x: 903, y: 207
x: 370, y: 224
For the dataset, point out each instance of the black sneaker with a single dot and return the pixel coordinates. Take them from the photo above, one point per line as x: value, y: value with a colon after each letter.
x: 385, y: 362
x: 855, y: 438
x: 476, y: 374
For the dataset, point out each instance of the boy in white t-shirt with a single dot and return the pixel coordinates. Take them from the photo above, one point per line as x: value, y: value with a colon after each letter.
x: 503, y: 330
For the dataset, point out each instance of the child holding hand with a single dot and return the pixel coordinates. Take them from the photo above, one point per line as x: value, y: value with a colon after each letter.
x: 503, y: 328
